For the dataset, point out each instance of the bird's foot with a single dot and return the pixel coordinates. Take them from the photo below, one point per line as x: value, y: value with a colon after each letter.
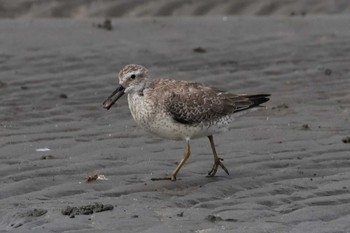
x: 171, y: 177
x: 216, y: 166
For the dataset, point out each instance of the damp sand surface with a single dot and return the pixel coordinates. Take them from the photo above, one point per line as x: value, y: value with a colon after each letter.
x: 289, y: 162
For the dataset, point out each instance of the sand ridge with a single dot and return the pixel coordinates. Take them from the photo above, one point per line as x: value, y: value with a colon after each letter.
x: 146, y: 8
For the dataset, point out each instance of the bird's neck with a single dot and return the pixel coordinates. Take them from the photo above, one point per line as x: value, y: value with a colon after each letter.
x: 139, y: 89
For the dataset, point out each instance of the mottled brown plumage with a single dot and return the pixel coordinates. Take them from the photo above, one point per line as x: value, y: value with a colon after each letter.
x: 180, y: 110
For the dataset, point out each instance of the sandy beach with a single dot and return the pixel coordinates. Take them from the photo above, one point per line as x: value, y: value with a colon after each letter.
x: 289, y: 163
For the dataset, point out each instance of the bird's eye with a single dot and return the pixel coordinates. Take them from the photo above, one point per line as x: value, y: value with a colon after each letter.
x: 133, y: 76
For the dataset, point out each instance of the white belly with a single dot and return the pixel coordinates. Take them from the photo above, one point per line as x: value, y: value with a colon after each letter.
x: 154, y: 120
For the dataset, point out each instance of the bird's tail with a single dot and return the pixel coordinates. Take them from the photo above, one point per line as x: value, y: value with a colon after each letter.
x: 258, y: 99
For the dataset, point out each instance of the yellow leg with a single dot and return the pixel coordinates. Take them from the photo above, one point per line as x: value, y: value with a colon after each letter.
x: 172, y: 177
x: 217, y: 160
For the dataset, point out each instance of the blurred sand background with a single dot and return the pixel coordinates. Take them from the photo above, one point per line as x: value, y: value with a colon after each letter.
x: 289, y: 163
x: 146, y: 8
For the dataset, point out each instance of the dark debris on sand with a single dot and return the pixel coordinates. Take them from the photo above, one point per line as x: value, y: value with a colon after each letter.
x: 35, y: 213
x: 107, y: 24
x: 213, y: 218
x: 305, y: 127
x: 63, y: 96
x: 181, y: 214
x: 86, y: 210
x: 346, y: 140
x: 328, y: 71
x: 46, y: 157
x: 91, y: 178
x: 199, y: 50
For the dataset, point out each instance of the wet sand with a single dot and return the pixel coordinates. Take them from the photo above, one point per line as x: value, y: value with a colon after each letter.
x: 289, y: 168
x: 173, y: 8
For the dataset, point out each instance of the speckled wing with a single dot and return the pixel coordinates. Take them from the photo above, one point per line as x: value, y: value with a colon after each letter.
x: 195, y: 103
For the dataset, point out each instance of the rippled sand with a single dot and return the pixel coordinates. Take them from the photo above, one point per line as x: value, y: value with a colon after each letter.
x: 289, y: 167
x: 145, y: 8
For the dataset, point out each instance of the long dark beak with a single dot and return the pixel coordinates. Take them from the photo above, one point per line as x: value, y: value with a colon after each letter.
x: 107, y: 104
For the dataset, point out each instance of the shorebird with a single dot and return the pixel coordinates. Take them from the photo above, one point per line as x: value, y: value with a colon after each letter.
x: 180, y: 110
